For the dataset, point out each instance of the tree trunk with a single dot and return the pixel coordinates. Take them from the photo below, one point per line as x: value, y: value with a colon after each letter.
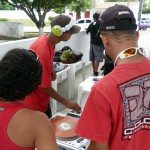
x: 41, y: 30
x: 79, y: 15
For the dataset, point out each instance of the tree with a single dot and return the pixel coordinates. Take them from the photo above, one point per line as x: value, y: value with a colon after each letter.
x: 59, y: 10
x: 121, y: 0
x: 37, y: 9
x: 6, y: 6
x: 80, y: 6
x: 146, y: 8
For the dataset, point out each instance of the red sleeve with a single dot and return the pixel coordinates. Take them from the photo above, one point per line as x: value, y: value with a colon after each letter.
x: 47, y: 69
x: 95, y: 121
x: 45, y: 52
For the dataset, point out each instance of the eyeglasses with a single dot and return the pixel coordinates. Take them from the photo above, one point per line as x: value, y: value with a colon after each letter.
x: 129, y: 53
x: 34, y: 54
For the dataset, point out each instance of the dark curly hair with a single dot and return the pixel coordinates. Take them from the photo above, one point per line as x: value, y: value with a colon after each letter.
x: 20, y: 74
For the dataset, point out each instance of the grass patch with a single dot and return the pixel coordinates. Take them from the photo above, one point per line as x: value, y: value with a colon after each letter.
x: 26, y: 36
x: 3, y: 19
x: 31, y: 34
x: 28, y: 22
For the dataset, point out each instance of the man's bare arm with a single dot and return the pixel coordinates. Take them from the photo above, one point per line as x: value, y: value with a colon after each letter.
x: 98, y: 146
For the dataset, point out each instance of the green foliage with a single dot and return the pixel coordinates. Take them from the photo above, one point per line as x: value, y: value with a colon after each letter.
x: 80, y: 6
x: 28, y: 22
x: 50, y: 18
x: 121, y: 0
x: 59, y: 10
x: 3, y: 19
x: 146, y: 9
x: 6, y: 6
x: 40, y: 7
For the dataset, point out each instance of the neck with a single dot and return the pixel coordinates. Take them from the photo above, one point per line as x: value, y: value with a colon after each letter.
x: 132, y: 59
x: 53, y: 39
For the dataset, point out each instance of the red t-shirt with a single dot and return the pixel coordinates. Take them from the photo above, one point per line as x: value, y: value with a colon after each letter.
x: 117, y: 110
x: 7, y: 111
x: 39, y: 99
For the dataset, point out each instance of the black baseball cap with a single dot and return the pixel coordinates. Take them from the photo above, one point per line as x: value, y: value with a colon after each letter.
x: 63, y: 20
x: 117, y: 17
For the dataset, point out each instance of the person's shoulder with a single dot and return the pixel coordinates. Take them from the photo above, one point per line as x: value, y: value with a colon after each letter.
x: 98, y: 23
x: 39, y: 122
x: 106, y: 82
x: 41, y: 37
x: 36, y: 119
x: 36, y: 116
x: 92, y: 24
x: 29, y: 122
x: 38, y: 128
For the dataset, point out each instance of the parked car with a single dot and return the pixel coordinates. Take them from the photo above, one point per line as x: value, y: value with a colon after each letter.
x: 145, y: 18
x: 83, y: 23
x: 144, y: 24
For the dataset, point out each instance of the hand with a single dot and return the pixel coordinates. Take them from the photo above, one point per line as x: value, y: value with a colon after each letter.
x: 53, y: 75
x: 74, y: 106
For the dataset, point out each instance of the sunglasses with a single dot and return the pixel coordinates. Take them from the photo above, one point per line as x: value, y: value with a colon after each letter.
x: 130, y: 52
x: 34, y: 54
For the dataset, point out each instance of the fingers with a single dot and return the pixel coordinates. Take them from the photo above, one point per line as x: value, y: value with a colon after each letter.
x: 74, y: 106
x: 77, y: 108
x: 53, y: 77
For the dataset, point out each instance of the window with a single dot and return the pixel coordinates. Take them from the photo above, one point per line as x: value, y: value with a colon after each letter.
x: 81, y: 21
x: 88, y: 21
x: 147, y: 22
x: 145, y: 19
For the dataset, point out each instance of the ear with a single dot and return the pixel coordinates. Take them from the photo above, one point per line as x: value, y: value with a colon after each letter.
x: 105, y: 40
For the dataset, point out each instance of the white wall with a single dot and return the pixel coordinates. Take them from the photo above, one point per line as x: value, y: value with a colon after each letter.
x: 6, y: 46
x: 19, y: 14
x: 79, y: 42
x: 135, y: 10
x: 11, y: 29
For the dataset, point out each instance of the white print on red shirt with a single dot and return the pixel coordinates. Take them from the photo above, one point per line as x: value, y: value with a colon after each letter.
x: 136, y: 102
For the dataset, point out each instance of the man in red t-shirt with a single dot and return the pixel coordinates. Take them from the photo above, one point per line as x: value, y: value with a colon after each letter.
x: 117, y: 113
x: 62, y: 29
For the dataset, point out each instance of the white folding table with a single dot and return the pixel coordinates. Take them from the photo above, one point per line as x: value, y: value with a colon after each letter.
x: 72, y: 72
x: 85, y: 87
x: 54, y: 85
